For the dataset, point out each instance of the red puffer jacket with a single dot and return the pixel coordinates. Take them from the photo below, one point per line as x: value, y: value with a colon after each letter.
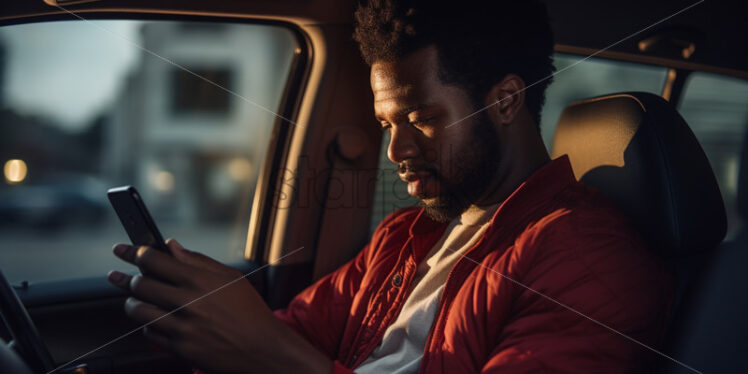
x: 554, y: 237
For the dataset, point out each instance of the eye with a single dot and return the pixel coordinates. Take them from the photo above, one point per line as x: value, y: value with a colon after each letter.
x: 420, y: 122
x: 386, y: 127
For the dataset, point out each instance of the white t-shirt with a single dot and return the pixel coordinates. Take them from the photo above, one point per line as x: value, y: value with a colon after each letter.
x: 402, y: 345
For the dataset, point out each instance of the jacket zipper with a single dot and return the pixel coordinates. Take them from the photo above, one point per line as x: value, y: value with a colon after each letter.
x: 367, y: 320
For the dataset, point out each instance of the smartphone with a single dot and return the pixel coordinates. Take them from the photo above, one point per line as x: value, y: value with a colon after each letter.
x: 135, y: 218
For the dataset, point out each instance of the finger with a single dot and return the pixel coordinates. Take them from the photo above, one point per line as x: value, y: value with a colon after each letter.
x: 196, y: 259
x: 177, y: 250
x: 119, y: 279
x: 124, y: 251
x: 158, y: 293
x: 136, y: 256
x: 151, y: 315
x: 161, y: 265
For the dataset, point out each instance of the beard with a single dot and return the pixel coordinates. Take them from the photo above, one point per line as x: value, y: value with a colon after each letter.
x: 472, y: 169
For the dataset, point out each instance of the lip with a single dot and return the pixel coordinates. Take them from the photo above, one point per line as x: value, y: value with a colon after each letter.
x: 420, y: 186
x: 412, y: 177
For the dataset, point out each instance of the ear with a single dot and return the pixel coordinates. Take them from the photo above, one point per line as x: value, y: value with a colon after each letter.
x: 505, y: 99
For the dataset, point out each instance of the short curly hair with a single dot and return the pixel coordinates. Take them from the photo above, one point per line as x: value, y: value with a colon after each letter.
x: 478, y: 42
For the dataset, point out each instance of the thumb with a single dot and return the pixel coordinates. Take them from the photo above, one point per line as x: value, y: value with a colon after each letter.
x: 193, y: 258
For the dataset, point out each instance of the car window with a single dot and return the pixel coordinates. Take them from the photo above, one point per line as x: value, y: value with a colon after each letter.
x: 716, y: 109
x: 577, y: 78
x: 181, y: 110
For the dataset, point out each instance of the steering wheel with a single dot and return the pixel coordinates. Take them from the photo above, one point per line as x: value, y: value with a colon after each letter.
x: 25, y: 353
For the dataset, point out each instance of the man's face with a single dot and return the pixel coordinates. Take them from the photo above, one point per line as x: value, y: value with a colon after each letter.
x: 447, y: 160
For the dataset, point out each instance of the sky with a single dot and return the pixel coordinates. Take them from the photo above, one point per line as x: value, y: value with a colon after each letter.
x: 69, y: 71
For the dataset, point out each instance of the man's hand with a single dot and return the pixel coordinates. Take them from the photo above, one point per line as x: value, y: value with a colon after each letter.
x: 209, y: 314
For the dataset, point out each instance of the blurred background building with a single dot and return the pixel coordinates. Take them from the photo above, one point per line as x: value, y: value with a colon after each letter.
x: 200, y: 117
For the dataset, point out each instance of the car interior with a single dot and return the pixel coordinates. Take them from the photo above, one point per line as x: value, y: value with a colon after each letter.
x: 670, y: 151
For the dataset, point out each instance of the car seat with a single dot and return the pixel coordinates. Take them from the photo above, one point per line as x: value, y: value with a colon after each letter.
x: 639, y: 152
x: 711, y: 333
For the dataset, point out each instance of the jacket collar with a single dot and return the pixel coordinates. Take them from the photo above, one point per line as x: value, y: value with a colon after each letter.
x: 540, y: 187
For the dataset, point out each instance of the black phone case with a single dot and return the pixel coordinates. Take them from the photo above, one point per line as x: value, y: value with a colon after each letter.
x: 135, y: 218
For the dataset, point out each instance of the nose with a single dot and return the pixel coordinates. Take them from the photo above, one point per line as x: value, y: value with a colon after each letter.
x: 402, y: 145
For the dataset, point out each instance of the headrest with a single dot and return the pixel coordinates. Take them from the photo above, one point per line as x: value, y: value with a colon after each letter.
x: 743, y: 180
x: 639, y: 152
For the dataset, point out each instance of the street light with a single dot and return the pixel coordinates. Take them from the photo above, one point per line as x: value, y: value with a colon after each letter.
x: 15, y: 171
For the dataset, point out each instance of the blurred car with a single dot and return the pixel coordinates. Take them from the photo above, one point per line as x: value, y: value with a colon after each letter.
x: 59, y: 201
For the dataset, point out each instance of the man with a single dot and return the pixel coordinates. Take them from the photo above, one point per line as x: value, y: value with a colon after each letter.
x: 510, y: 265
